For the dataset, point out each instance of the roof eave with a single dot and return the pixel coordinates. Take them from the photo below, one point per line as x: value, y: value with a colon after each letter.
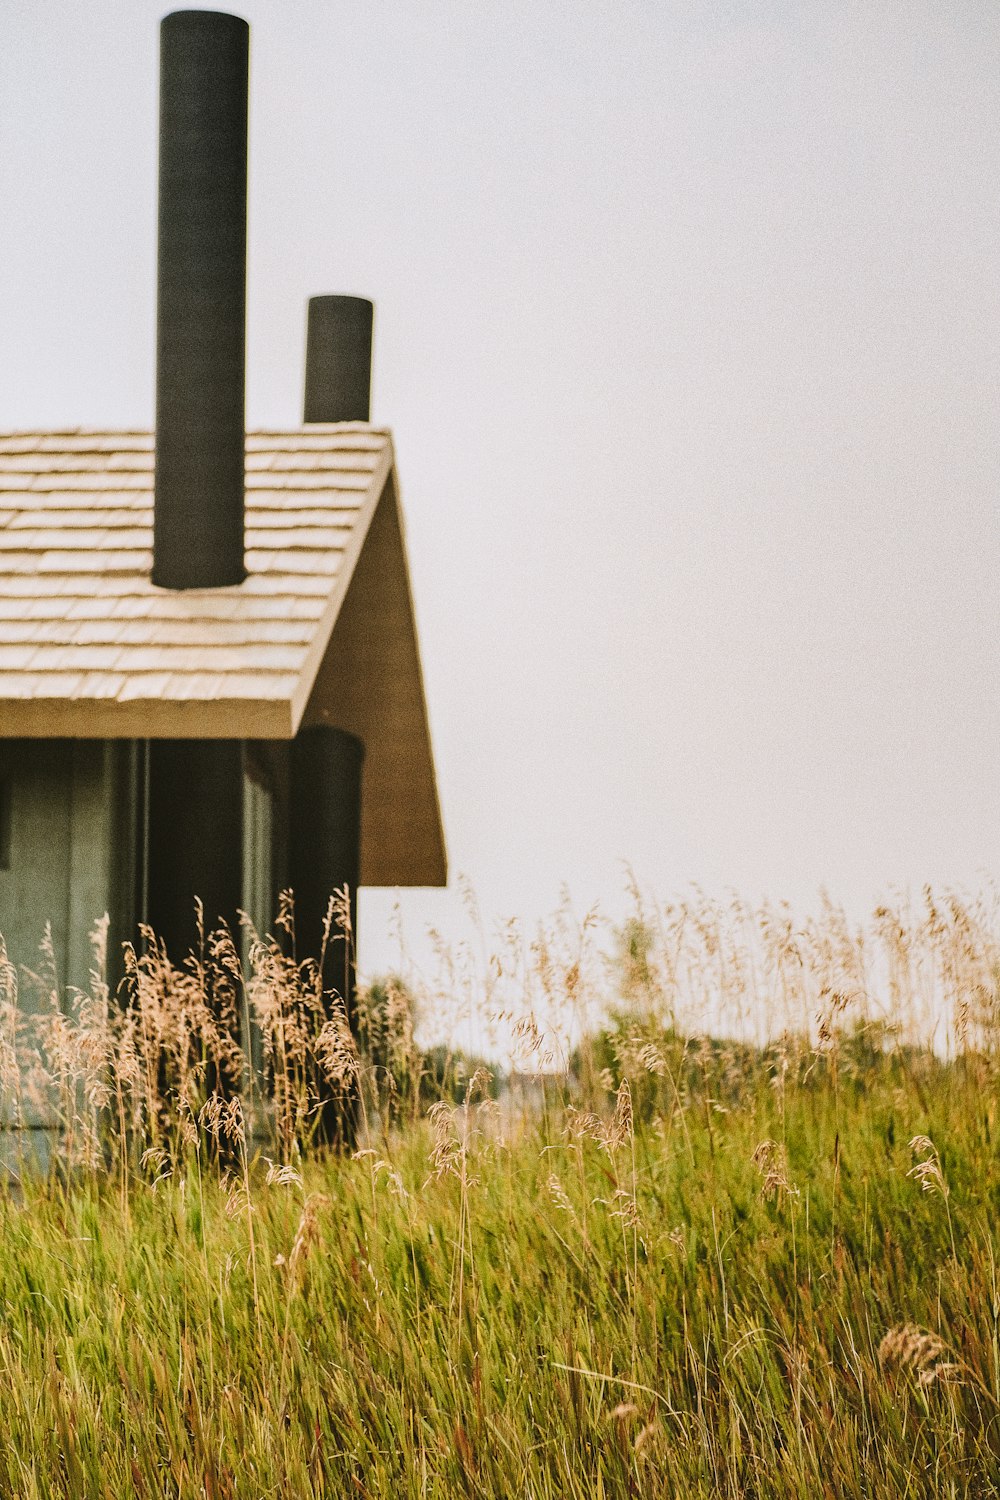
x: 146, y: 718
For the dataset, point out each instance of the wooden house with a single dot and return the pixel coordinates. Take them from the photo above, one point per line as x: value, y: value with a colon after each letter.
x: 210, y: 681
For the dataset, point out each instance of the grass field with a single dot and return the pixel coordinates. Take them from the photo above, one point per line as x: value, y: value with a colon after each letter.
x: 684, y: 1268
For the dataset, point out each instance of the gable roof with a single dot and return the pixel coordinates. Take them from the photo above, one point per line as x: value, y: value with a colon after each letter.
x: 90, y: 648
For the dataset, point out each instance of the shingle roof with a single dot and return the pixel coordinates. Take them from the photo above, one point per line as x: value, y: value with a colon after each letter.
x: 82, y: 626
x: 89, y: 648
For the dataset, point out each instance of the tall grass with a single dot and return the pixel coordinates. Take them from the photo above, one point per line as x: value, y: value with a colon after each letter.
x: 680, y: 1264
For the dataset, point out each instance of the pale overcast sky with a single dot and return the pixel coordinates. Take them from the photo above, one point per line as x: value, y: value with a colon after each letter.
x: 688, y: 331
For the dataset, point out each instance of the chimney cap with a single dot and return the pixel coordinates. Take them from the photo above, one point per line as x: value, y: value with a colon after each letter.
x: 202, y: 17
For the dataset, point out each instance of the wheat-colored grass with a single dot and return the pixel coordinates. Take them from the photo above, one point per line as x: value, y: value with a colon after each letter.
x: 737, y: 1239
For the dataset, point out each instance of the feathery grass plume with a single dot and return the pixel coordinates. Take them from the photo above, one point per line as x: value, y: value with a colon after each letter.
x: 285, y: 917
x: 624, y: 1206
x: 238, y: 1204
x: 911, y: 1350
x: 187, y: 1126
x: 282, y: 1175
x: 338, y: 928
x: 339, y: 1096
x: 652, y: 1059
x: 621, y: 1127
x: 288, y: 1013
x: 927, y: 1170
x: 457, y: 1133
x: 377, y: 1166
x: 156, y: 1160
x: 771, y: 1160
x: 833, y: 1003
x: 174, y: 1043
x: 234, y: 1122
x: 306, y: 1237
x: 623, y: 1411
x: 336, y: 1049
x: 212, y: 1115
x: 530, y: 1038
x: 479, y: 1084
x: 558, y: 1194
x: 446, y: 1147
x: 584, y: 1125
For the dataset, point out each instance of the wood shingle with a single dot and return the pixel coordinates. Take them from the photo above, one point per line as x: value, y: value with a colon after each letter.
x: 91, y: 649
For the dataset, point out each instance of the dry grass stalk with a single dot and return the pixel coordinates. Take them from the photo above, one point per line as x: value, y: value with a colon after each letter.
x: 126, y: 1071
x: 622, y: 1122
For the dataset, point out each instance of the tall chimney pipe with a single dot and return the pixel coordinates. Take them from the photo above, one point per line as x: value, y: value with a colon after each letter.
x: 201, y: 301
x: 339, y: 359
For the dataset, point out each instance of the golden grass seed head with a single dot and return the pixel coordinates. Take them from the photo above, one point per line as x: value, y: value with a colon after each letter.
x: 912, y: 1350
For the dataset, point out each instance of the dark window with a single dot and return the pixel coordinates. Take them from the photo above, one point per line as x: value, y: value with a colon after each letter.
x: 4, y: 825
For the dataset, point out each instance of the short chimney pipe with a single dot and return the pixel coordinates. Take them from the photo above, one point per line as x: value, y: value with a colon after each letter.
x: 339, y: 359
x: 198, y: 512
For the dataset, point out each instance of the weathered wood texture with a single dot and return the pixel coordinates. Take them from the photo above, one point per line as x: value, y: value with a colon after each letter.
x: 72, y: 854
x: 369, y: 683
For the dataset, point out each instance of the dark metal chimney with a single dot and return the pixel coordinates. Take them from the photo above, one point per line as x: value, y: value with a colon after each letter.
x: 201, y: 301
x: 324, y: 855
x: 325, y: 782
x: 339, y: 359
x: 324, y: 837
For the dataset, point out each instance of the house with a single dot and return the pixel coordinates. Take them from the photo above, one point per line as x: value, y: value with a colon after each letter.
x: 210, y: 681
